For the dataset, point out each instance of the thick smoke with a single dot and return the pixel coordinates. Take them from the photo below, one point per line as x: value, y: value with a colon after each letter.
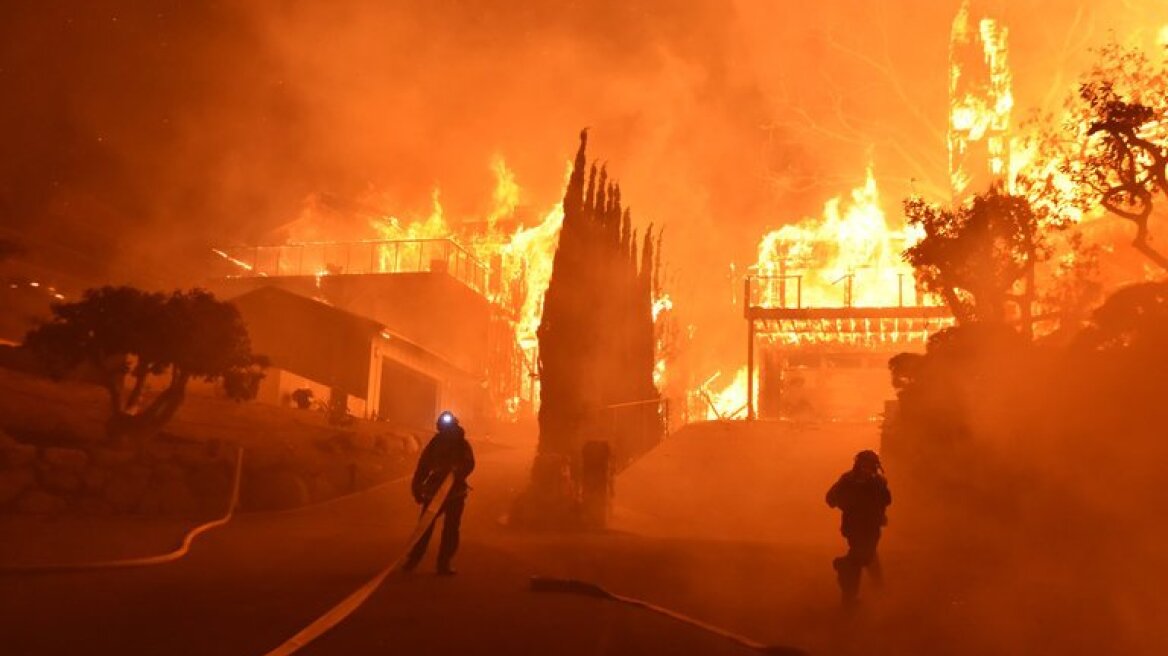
x: 138, y: 134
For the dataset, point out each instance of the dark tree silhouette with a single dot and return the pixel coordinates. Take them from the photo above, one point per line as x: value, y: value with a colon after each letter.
x: 1114, y: 143
x: 1074, y: 287
x: 1133, y: 319
x: 979, y: 257
x: 596, y: 336
x: 1073, y: 426
x: 127, y: 336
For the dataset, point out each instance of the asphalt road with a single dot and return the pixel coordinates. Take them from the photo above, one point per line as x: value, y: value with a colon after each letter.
x: 246, y: 588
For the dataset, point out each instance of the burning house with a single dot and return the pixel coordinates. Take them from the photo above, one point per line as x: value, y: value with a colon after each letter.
x: 829, y: 301
x: 402, y: 326
x: 345, y: 358
x: 827, y: 361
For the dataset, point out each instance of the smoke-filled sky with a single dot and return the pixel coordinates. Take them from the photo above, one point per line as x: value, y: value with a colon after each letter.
x: 135, y: 134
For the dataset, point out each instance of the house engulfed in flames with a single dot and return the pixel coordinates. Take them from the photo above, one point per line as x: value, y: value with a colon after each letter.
x: 430, y: 294
x: 464, y: 304
x: 828, y: 301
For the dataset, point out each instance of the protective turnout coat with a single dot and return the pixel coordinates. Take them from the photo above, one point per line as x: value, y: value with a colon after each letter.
x: 448, y: 451
x: 863, y: 499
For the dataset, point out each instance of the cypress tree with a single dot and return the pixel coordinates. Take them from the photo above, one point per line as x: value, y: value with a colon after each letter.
x: 596, y: 338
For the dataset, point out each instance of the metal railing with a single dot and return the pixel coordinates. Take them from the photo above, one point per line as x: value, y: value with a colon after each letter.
x: 360, y: 258
x: 787, y: 290
x: 773, y: 291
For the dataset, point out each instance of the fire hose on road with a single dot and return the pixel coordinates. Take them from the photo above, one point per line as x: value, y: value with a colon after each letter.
x: 351, y: 603
x: 584, y: 588
x: 354, y: 600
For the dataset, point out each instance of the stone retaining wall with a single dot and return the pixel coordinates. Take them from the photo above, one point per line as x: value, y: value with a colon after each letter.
x: 105, y: 481
x: 184, y: 479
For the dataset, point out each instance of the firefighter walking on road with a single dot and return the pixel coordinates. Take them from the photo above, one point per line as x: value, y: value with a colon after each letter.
x: 448, y: 452
x: 862, y: 495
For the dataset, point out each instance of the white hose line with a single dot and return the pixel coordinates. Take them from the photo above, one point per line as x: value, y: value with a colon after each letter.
x: 351, y: 603
x: 159, y: 559
x: 584, y: 588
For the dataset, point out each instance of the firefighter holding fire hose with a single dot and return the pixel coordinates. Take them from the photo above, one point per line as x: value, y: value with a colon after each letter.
x: 448, y: 452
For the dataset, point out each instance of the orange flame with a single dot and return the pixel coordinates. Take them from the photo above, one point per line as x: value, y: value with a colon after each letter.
x: 527, y: 257
x: 662, y: 307
x: 505, y: 196
x: 726, y: 400
x: 520, y: 261
x: 850, y: 256
x: 981, y: 101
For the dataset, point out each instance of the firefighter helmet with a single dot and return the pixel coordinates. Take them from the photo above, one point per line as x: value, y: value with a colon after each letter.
x: 446, y: 420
